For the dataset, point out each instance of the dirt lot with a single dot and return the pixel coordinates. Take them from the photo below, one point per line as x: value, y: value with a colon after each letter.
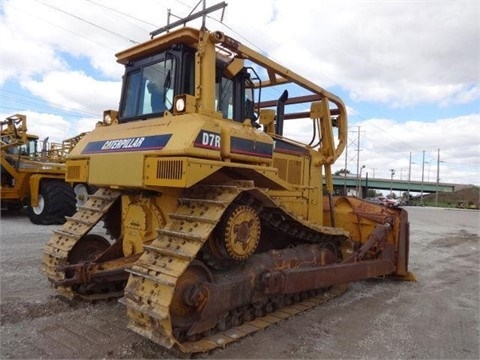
x: 434, y: 318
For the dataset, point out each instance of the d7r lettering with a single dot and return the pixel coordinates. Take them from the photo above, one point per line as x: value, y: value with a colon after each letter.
x: 212, y: 140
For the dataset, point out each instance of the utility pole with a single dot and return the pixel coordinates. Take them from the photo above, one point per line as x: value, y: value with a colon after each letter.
x: 438, y: 176
x: 409, y: 175
x: 358, y: 162
x: 423, y: 169
x: 351, y: 159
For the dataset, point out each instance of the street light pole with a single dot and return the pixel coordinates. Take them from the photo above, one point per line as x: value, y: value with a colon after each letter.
x: 358, y: 162
x: 409, y: 175
x: 359, y: 193
x: 391, y: 181
x: 438, y: 176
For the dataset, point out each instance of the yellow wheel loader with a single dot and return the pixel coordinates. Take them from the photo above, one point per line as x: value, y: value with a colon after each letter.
x: 33, y: 174
x: 218, y: 224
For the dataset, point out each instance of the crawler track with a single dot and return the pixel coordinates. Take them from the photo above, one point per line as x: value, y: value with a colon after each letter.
x: 153, y: 279
x: 299, y: 303
x: 58, y: 248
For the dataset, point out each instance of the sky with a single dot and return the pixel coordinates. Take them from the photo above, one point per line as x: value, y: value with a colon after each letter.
x: 408, y: 71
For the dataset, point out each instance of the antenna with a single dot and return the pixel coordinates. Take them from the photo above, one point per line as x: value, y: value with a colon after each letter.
x: 202, y: 13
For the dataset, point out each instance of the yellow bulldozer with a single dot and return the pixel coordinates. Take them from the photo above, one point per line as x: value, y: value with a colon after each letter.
x: 33, y: 174
x: 217, y: 223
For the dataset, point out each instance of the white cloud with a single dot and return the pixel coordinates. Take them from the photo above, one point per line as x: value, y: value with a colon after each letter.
x: 76, y: 91
x: 55, y: 127
x: 398, y: 53
x: 385, y: 144
x: 24, y: 57
x: 401, y: 53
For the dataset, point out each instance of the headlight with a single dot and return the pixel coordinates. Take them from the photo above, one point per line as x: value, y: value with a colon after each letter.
x: 180, y: 104
x: 107, y: 119
x: 183, y: 103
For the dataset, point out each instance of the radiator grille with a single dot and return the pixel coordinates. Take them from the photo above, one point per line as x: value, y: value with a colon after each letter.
x: 281, y: 165
x: 73, y: 172
x: 169, y: 169
x: 294, y: 172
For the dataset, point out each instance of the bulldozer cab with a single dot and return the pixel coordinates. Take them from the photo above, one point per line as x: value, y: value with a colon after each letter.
x: 151, y: 85
x: 190, y: 71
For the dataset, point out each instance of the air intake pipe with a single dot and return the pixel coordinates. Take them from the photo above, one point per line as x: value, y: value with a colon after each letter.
x: 280, y: 113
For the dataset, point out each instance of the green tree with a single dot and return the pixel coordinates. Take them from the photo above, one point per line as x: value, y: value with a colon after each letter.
x: 342, y: 172
x: 372, y: 193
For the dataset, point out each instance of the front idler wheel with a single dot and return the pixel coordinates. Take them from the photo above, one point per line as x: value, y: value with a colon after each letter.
x: 189, y: 298
x: 88, y: 248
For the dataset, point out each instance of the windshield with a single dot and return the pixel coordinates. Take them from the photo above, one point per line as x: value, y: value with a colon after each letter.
x: 149, y: 90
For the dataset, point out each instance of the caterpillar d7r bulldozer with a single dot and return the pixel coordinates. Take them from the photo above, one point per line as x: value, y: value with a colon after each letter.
x: 217, y: 224
x: 33, y: 174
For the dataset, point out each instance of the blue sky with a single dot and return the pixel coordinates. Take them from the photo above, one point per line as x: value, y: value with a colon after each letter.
x: 408, y: 71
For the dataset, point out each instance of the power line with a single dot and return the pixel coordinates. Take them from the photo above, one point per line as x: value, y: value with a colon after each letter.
x: 41, y: 104
x: 88, y: 22
x: 62, y: 28
x: 125, y: 15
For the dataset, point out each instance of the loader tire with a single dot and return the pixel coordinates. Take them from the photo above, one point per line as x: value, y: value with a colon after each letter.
x: 56, y: 199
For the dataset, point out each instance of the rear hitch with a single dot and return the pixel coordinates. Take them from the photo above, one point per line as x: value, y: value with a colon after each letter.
x: 79, y: 271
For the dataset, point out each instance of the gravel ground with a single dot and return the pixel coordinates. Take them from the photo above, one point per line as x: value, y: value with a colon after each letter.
x: 436, y: 317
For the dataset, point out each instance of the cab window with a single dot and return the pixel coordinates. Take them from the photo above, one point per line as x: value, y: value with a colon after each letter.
x: 149, y: 90
x: 224, y: 97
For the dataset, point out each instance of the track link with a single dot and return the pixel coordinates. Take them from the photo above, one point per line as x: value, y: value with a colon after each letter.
x: 153, y: 278
x: 298, y: 305
x: 58, y: 247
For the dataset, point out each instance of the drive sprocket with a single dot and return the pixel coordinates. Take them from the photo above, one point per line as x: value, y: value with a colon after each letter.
x: 241, y: 231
